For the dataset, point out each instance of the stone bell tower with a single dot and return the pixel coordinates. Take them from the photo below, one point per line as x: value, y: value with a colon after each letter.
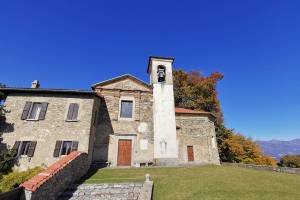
x: 164, y: 123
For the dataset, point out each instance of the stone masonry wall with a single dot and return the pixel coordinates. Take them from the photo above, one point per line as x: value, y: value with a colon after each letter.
x: 199, y: 132
x: 54, y: 127
x: 108, y: 191
x: 111, y: 127
x: 50, y: 183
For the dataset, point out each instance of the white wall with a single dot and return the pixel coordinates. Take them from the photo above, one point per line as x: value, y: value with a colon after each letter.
x: 164, y: 123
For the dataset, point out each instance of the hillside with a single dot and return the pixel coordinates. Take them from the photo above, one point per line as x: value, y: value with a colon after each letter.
x: 277, y: 148
x: 208, y: 183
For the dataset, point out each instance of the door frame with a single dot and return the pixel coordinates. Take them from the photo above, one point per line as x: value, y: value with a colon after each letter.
x: 125, y: 136
x: 187, y: 151
x: 119, y: 152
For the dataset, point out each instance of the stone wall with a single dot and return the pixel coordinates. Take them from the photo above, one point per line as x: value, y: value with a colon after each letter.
x: 111, y: 128
x: 108, y: 191
x: 199, y: 132
x: 50, y: 183
x: 265, y: 168
x: 54, y: 127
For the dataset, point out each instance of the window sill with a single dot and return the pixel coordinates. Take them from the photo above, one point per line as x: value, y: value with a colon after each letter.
x: 125, y: 119
x: 32, y: 119
x: 72, y: 120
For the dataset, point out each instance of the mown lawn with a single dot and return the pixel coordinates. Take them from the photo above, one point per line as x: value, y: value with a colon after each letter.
x: 208, y: 183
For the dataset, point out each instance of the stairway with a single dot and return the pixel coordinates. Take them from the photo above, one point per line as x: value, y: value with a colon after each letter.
x: 104, y: 191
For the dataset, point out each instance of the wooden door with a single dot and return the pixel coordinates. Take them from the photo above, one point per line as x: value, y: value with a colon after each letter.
x: 124, y: 153
x: 190, y: 152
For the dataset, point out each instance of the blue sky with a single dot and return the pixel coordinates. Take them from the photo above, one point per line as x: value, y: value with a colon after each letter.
x: 255, y: 44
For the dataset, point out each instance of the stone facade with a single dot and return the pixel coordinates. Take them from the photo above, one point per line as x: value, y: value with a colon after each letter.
x: 198, y: 132
x: 112, y: 128
x: 54, y: 127
x: 154, y: 133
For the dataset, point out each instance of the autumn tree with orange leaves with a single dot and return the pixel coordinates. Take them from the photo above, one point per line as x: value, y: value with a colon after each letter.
x: 192, y: 90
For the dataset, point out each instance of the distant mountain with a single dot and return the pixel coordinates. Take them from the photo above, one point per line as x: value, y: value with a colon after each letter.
x: 277, y: 148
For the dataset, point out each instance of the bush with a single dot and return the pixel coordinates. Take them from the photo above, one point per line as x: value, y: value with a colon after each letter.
x: 14, y: 179
x: 7, y: 161
x: 244, y: 150
x: 290, y: 161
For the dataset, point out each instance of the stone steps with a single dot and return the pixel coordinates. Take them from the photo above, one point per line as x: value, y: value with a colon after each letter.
x: 105, y: 191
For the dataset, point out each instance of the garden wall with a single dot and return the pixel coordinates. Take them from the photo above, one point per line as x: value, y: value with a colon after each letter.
x: 50, y: 183
x: 266, y: 168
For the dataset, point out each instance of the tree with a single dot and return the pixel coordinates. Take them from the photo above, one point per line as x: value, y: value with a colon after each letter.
x: 244, y: 150
x: 7, y: 157
x: 290, y: 161
x: 194, y: 91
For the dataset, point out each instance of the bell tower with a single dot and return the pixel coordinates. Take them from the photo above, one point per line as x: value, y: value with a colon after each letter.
x: 164, y: 122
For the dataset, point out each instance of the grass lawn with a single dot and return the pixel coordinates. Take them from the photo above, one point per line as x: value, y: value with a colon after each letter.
x: 208, y: 183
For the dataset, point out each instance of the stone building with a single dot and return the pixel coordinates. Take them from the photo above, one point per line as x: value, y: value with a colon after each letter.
x: 43, y: 125
x: 121, y: 122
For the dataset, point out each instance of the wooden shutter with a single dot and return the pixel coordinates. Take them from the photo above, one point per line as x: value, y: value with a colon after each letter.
x: 16, y: 147
x: 26, y: 110
x: 73, y: 111
x: 70, y: 112
x: 74, y: 146
x: 57, y: 148
x: 43, y: 111
x: 31, y: 149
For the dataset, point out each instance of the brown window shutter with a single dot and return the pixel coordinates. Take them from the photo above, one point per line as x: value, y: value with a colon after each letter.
x: 16, y: 147
x: 74, y: 146
x: 26, y: 110
x: 31, y: 149
x: 57, y: 148
x: 70, y: 111
x: 75, y: 111
x: 43, y: 111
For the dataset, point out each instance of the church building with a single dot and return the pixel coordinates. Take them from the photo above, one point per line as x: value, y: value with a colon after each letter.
x: 120, y: 122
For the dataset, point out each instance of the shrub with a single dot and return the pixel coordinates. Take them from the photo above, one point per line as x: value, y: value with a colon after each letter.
x: 7, y: 161
x: 290, y: 161
x: 14, y: 179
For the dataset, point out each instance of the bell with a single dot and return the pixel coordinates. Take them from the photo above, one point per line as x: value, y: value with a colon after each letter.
x: 161, y: 75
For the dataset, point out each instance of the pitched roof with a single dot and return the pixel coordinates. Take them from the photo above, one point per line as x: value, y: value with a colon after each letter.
x: 120, y: 78
x: 192, y: 112
x: 8, y: 90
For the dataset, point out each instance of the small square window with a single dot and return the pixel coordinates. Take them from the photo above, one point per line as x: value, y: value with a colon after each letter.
x: 66, y: 148
x: 126, y: 109
x: 35, y: 111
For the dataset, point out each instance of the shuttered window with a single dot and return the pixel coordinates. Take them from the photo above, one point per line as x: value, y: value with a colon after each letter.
x: 126, y: 109
x: 73, y: 112
x: 34, y: 111
x: 65, y: 147
x: 24, y: 148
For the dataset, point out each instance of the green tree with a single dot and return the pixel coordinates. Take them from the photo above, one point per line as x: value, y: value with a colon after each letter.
x: 7, y: 159
x: 290, y: 161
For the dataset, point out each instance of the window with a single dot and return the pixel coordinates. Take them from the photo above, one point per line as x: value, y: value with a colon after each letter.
x: 64, y: 147
x: 24, y: 148
x: 73, y: 112
x: 126, y: 109
x: 34, y: 111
